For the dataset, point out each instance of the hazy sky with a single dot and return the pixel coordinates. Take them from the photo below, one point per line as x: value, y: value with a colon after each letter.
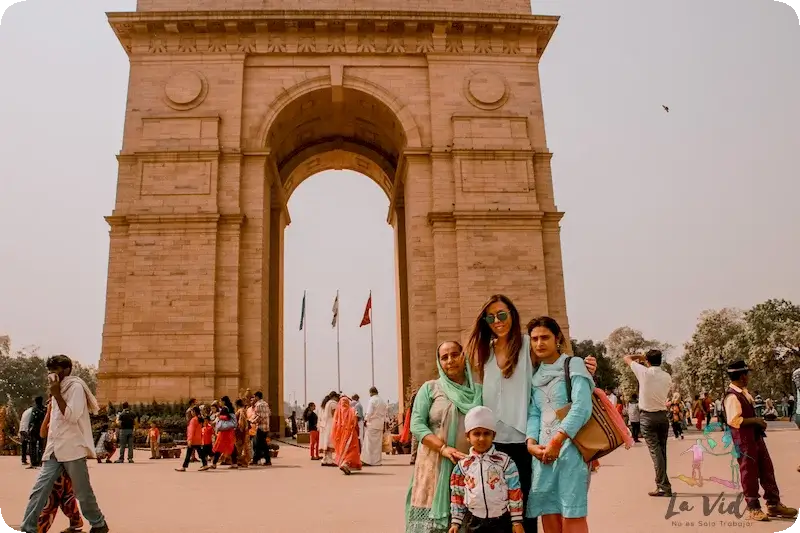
x: 666, y: 214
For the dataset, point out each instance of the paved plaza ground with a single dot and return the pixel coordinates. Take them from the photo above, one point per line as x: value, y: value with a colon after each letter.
x: 299, y: 495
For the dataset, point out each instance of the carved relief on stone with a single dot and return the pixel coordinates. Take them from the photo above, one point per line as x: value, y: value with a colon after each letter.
x: 424, y: 44
x: 396, y: 46
x: 306, y: 44
x: 187, y: 45
x: 366, y: 44
x: 218, y: 45
x: 277, y: 44
x: 486, y: 90
x: 454, y: 45
x: 158, y: 45
x: 336, y: 44
x: 185, y: 90
x: 483, y: 45
x: 247, y: 45
x: 511, y: 47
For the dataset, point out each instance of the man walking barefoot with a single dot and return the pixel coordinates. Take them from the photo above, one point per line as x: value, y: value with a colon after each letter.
x: 69, y: 443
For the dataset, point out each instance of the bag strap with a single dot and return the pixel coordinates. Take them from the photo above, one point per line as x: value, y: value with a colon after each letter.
x: 568, y: 379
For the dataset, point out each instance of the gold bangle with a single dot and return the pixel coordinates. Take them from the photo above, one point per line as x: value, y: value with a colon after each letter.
x: 442, y: 448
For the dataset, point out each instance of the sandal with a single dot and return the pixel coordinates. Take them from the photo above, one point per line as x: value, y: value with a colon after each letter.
x: 660, y: 494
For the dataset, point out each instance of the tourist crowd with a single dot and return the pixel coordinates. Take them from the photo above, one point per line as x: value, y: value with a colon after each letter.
x: 499, y: 439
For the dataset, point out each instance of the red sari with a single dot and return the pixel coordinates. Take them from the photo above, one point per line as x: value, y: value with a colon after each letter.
x: 345, y: 437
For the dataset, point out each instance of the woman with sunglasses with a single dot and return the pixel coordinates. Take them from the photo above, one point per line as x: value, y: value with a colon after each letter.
x: 502, y: 360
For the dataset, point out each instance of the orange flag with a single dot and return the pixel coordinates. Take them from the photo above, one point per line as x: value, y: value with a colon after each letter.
x: 366, y: 320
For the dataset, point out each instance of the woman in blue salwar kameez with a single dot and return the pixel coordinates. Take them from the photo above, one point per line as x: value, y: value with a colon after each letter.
x: 560, y: 487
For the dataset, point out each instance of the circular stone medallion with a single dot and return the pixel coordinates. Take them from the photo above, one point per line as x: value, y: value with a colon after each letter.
x: 487, y: 90
x: 185, y: 88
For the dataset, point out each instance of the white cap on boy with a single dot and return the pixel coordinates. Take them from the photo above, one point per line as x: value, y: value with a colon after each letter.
x: 480, y: 417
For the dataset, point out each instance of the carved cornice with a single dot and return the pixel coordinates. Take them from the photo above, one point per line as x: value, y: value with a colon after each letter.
x: 332, y: 32
x: 233, y: 219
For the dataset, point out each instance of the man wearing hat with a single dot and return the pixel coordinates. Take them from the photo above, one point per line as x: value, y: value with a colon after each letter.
x: 748, y: 432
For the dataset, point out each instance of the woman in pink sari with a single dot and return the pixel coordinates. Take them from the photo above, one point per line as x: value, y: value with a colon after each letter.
x: 345, y: 437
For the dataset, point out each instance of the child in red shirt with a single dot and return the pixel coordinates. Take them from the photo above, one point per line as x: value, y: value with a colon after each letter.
x: 208, y: 438
x: 154, y: 439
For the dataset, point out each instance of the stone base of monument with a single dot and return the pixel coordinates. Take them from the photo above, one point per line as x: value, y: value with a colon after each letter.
x: 303, y: 438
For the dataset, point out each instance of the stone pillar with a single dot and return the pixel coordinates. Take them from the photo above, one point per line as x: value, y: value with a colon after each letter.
x: 274, y: 347
x: 422, y: 298
x: 398, y: 221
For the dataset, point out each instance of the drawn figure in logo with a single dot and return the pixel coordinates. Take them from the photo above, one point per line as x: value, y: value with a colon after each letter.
x: 697, y: 451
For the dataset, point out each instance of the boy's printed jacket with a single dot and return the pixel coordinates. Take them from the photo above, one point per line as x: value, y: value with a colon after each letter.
x: 486, y: 485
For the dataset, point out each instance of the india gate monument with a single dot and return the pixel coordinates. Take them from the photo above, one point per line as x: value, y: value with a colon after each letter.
x: 233, y: 103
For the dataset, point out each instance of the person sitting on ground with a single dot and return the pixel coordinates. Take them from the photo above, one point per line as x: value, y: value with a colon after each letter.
x: 106, y: 444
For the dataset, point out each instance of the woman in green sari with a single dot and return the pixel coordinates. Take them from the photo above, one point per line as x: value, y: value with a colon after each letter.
x: 437, y: 421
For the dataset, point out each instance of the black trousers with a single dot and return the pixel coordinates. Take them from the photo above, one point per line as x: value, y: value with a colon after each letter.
x: 636, y: 429
x: 677, y: 429
x: 261, y: 449
x: 524, y: 461
x: 191, y: 450
x: 501, y: 524
x: 36, y: 449
x: 25, y: 441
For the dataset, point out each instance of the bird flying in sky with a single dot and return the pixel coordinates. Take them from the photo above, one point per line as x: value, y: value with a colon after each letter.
x: 665, y: 108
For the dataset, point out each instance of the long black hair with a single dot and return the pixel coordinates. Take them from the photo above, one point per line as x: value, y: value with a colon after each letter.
x: 308, y: 411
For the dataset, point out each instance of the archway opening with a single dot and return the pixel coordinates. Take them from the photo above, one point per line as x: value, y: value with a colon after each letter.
x: 349, y: 236
x: 344, y: 247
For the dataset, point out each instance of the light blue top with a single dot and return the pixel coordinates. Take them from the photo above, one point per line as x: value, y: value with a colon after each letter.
x: 508, y: 397
x: 561, y: 487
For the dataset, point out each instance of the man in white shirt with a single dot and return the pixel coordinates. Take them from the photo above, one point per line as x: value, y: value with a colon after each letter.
x: 372, y: 453
x: 24, y: 425
x: 654, y: 387
x: 69, y: 443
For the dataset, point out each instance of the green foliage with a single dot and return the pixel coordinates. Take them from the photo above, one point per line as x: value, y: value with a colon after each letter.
x: 766, y: 336
x: 23, y: 376
x: 606, y: 376
x: 628, y: 341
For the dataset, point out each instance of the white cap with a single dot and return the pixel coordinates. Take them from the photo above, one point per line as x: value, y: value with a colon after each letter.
x: 479, y: 417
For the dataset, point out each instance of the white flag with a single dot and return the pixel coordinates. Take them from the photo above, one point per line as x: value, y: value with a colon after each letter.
x: 335, y: 311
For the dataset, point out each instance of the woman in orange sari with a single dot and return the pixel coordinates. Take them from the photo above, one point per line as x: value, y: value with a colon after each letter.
x: 345, y: 437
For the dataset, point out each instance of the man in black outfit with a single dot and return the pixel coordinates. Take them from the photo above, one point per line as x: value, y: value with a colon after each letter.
x: 36, y: 443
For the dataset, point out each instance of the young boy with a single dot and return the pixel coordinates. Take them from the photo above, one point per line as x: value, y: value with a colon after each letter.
x: 208, y: 439
x: 485, y: 484
x: 154, y: 439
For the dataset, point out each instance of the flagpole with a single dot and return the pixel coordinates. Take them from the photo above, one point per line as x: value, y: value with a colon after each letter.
x: 305, y: 356
x: 338, y: 358
x: 371, y: 338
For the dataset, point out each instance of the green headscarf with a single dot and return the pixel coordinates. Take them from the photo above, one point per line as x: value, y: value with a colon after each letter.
x: 463, y: 397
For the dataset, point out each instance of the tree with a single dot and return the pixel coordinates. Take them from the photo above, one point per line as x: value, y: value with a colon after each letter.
x: 87, y: 373
x: 720, y: 335
x: 628, y: 341
x: 606, y: 376
x: 23, y: 376
x: 773, y: 338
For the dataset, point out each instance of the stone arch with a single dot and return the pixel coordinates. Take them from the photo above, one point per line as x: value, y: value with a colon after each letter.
x: 305, y: 86
x: 339, y: 158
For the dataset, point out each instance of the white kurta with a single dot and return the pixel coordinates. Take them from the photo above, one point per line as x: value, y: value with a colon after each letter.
x: 372, y: 452
x: 326, y: 425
